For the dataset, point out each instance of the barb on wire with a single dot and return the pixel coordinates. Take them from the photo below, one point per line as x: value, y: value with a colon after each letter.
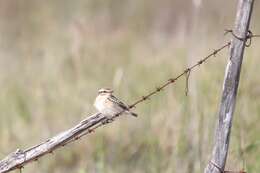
x: 247, y: 39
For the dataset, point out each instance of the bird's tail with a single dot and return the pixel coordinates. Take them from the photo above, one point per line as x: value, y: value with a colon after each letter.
x: 132, y: 113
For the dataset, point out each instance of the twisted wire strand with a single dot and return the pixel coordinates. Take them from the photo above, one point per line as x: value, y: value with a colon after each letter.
x: 187, y: 72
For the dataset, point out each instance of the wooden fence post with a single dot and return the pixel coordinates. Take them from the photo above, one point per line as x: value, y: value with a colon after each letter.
x: 231, y: 81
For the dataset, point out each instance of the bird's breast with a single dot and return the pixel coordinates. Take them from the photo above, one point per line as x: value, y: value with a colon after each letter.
x: 100, y: 103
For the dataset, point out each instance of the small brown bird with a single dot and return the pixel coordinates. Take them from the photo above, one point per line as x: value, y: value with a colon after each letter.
x: 107, y: 104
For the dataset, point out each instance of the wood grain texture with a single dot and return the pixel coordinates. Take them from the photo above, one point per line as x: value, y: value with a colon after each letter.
x: 229, y: 93
x: 19, y: 158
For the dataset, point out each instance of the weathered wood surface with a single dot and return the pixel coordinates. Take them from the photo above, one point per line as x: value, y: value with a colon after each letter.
x: 19, y: 158
x: 230, y: 87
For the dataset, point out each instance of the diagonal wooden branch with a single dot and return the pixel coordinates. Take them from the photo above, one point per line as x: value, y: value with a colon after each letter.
x: 19, y: 158
x: 231, y: 81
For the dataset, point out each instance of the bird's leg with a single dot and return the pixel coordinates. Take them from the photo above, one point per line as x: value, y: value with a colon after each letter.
x: 108, y: 119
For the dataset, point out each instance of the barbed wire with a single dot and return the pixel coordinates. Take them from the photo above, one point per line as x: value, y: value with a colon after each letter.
x: 186, y: 72
x: 104, y: 120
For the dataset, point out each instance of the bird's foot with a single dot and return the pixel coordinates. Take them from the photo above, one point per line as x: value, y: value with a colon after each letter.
x: 108, y: 120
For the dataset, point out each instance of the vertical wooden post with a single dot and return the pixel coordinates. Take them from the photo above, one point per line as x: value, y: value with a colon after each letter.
x: 231, y: 81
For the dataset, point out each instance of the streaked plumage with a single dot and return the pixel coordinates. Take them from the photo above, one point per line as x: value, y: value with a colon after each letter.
x: 107, y: 104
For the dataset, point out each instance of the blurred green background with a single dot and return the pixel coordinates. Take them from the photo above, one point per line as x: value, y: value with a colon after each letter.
x: 55, y: 55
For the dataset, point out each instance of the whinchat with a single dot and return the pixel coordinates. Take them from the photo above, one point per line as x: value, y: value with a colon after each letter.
x: 107, y: 104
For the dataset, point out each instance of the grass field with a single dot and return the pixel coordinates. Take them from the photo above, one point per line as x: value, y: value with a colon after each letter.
x: 55, y: 55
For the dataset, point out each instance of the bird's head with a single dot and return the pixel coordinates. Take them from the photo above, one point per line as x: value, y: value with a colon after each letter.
x: 105, y: 91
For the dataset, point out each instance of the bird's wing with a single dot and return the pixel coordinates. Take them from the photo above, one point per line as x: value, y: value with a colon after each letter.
x: 118, y: 102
